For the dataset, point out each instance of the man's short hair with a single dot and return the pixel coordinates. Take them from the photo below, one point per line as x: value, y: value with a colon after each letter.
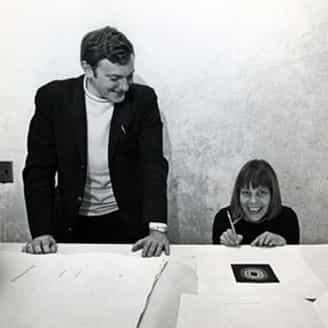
x: 106, y: 43
x: 258, y: 173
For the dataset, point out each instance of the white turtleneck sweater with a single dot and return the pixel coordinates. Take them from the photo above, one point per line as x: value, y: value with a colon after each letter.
x: 98, y: 198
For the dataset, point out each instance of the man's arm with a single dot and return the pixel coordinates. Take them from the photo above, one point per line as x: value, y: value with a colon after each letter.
x: 154, y: 166
x: 154, y: 170
x: 40, y: 167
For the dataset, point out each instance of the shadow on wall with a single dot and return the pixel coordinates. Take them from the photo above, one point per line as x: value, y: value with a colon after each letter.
x: 174, y: 232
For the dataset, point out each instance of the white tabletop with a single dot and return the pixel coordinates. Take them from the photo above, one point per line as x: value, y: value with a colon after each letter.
x: 181, y: 274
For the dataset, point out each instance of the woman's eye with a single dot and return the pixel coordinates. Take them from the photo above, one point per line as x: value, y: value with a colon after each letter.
x: 263, y: 192
x: 245, y: 193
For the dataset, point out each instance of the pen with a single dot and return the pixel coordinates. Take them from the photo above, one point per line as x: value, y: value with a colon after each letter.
x: 231, y: 224
x: 123, y: 129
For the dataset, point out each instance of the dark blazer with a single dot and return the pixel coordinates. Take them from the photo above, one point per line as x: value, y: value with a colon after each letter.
x: 56, y: 163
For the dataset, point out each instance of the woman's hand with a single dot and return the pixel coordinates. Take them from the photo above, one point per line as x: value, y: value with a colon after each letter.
x: 229, y: 238
x: 269, y: 239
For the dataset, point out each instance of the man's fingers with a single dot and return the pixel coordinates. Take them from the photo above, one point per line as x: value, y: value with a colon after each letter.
x: 167, y: 248
x: 36, y: 245
x: 45, y: 246
x: 145, y: 248
x: 153, y: 244
x: 152, y: 249
x: 49, y: 245
x: 29, y: 248
x: 53, y: 248
x: 41, y: 245
x: 53, y: 245
x: 138, y: 245
x: 159, y: 249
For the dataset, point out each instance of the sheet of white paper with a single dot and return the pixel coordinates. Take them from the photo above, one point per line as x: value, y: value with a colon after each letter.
x: 321, y: 306
x: 80, y: 290
x: 294, y: 274
x: 239, y: 312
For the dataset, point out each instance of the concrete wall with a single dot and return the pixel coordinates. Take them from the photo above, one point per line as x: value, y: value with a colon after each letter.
x: 236, y: 80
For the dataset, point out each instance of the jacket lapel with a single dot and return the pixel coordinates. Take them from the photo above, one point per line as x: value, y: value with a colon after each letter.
x: 119, y: 128
x: 80, y: 120
x: 119, y: 125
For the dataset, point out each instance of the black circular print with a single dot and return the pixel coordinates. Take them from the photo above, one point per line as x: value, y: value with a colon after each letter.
x: 255, y: 274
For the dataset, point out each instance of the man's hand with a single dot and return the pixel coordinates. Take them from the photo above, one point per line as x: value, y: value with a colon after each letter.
x: 41, y: 245
x: 229, y: 238
x: 153, y: 245
x: 268, y: 239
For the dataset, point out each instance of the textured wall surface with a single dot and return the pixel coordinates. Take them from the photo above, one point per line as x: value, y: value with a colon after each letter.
x: 236, y: 80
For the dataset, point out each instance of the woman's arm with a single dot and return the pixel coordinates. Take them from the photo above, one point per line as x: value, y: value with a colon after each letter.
x: 292, y: 229
x: 220, y: 225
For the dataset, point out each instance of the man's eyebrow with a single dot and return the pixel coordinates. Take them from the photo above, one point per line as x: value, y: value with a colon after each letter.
x: 119, y: 75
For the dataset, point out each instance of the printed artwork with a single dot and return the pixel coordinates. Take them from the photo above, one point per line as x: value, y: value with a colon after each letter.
x: 254, y: 273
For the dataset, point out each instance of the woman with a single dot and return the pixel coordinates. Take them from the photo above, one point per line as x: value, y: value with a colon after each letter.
x: 256, y: 214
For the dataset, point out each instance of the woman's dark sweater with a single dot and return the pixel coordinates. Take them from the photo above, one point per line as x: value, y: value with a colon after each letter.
x: 285, y: 224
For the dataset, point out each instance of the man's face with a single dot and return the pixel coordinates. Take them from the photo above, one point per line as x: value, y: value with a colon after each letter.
x: 110, y: 80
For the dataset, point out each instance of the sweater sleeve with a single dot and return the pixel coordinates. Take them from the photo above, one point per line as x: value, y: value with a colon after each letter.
x: 220, y: 225
x: 292, y: 230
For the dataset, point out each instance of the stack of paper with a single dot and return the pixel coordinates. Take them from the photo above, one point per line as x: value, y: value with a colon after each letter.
x: 240, y: 312
x: 80, y: 290
x: 279, y: 300
x: 295, y: 277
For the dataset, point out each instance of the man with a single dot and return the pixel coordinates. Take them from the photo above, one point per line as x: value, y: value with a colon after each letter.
x: 95, y: 171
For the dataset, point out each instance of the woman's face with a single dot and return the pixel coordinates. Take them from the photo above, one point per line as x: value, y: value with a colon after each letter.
x: 255, y: 202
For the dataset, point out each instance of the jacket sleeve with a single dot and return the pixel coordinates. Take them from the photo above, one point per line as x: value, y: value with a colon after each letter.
x: 40, y: 167
x: 220, y: 225
x: 154, y: 167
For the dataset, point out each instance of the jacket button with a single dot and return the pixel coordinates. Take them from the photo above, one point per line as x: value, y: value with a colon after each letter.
x: 82, y: 166
x: 79, y: 198
x: 69, y: 229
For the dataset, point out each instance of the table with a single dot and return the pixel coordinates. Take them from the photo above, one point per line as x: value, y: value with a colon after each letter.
x: 180, y: 275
